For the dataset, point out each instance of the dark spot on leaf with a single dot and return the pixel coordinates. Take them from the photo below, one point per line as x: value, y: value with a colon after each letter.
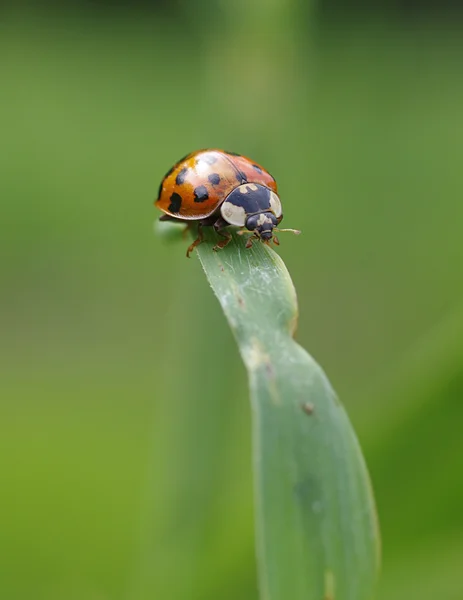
x: 307, y: 490
x: 308, y: 408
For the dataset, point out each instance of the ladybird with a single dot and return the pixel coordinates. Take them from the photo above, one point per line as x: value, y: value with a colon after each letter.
x: 220, y: 189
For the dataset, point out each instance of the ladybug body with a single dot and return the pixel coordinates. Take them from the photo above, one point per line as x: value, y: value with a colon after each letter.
x: 218, y: 188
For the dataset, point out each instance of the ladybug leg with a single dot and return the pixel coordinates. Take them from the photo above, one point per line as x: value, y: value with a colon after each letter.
x: 219, y: 227
x: 251, y: 234
x: 197, y: 241
x: 186, y: 230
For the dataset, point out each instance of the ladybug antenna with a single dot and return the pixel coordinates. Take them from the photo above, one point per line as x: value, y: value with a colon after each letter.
x: 295, y: 231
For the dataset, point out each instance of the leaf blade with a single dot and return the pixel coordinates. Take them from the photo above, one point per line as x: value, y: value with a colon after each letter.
x: 316, y: 526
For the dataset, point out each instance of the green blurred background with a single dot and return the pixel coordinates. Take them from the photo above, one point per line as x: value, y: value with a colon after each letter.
x: 124, y: 418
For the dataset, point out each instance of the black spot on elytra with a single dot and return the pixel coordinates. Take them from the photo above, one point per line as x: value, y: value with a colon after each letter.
x: 241, y: 177
x: 171, y: 170
x: 181, y: 176
x: 160, y: 189
x: 175, y: 203
x: 257, y: 168
x: 214, y: 178
x: 209, y: 159
x: 201, y: 193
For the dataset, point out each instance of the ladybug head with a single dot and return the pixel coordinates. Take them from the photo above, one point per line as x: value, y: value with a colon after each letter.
x: 262, y: 225
x: 255, y: 207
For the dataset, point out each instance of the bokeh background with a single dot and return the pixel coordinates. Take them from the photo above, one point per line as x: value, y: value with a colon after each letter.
x: 124, y: 419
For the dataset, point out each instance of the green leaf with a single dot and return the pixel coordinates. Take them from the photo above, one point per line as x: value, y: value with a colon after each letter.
x: 169, y: 231
x: 316, y: 526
